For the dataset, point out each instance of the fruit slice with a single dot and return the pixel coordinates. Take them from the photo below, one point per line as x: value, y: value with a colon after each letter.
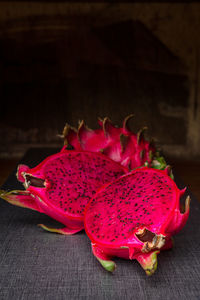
x: 62, y: 185
x: 135, y: 216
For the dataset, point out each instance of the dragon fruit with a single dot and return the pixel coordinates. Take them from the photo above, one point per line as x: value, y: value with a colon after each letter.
x: 120, y: 144
x: 62, y: 184
x: 134, y: 217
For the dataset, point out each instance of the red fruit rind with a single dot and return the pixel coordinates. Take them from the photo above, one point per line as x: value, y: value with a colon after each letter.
x: 65, y: 230
x: 120, y: 144
x: 148, y: 261
x: 104, y: 259
x: 20, y: 198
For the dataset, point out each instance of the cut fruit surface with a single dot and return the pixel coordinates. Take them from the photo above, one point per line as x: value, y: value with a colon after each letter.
x: 62, y: 185
x: 136, y: 215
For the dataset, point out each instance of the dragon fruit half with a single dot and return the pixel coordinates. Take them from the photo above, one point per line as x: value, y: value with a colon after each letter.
x: 134, y: 217
x: 62, y: 185
x: 120, y: 144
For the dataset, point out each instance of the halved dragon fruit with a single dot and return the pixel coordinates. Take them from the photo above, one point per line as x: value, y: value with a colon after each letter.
x: 120, y: 144
x: 62, y: 185
x: 134, y: 217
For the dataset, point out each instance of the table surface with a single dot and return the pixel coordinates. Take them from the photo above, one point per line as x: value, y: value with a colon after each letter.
x: 35, y: 264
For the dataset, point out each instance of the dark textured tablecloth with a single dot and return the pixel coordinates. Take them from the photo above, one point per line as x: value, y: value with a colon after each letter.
x: 35, y: 264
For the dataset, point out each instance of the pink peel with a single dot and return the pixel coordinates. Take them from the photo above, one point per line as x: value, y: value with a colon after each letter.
x: 104, y: 259
x: 148, y: 261
x: 20, y: 198
x: 120, y: 144
x: 65, y: 230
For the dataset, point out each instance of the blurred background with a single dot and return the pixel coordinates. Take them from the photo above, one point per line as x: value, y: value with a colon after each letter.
x: 67, y: 61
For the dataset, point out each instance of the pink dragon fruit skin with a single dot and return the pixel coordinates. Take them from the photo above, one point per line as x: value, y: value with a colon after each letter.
x: 62, y: 185
x: 120, y: 144
x: 134, y: 217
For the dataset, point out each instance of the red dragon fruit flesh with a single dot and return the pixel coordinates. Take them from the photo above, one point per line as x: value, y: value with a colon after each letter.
x: 134, y: 217
x: 62, y: 185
